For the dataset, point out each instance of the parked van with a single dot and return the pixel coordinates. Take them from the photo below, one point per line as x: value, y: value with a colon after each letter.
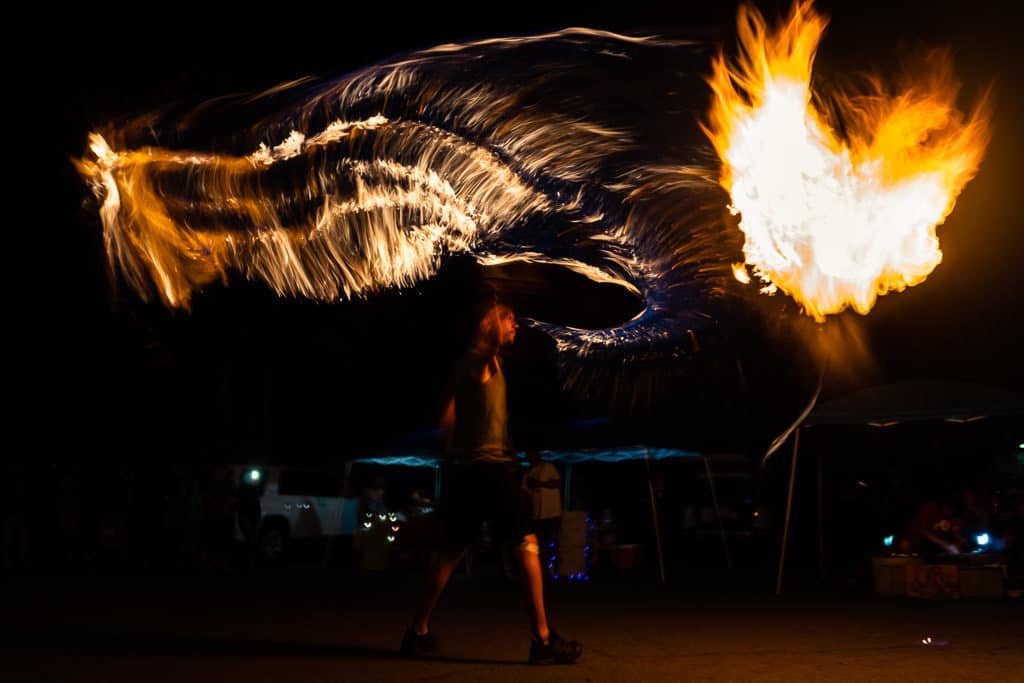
x: 280, y: 504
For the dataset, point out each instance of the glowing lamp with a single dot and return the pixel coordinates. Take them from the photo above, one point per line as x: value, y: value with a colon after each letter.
x: 982, y: 539
x: 887, y: 541
x: 253, y: 476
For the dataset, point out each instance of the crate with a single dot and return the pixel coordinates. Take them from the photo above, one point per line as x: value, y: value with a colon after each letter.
x: 629, y: 557
x: 934, y: 581
x: 891, y: 574
x: 982, y: 582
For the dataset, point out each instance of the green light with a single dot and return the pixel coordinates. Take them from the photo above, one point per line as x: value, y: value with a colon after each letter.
x: 254, y: 475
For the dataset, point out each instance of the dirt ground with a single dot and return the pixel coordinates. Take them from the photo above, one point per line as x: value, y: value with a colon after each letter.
x: 346, y: 627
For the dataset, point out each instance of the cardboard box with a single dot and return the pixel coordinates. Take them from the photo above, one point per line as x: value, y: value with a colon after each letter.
x: 891, y: 574
x: 572, y: 543
x: 934, y: 581
x: 572, y: 528
x: 982, y: 582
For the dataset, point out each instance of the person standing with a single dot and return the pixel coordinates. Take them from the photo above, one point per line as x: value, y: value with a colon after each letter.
x: 483, y: 482
x: 543, y: 485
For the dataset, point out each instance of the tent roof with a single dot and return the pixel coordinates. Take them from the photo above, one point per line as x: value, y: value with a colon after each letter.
x: 585, y: 440
x: 917, y: 400
x: 620, y: 454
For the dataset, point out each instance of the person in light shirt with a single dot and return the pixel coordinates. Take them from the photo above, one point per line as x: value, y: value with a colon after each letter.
x: 543, y: 484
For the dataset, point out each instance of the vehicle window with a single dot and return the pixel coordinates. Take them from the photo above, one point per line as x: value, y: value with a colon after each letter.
x: 315, y: 484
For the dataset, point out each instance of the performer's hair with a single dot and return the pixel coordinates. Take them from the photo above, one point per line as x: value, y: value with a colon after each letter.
x: 486, y: 299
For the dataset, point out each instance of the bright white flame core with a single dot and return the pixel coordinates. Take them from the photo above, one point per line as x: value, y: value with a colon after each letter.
x: 836, y: 220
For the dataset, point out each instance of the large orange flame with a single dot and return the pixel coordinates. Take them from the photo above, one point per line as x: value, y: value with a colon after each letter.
x: 837, y: 220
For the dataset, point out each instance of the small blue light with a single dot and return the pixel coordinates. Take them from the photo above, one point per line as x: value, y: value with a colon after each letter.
x: 982, y: 539
x: 887, y: 541
x: 254, y: 475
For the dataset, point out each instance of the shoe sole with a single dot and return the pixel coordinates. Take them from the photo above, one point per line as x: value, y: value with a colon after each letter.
x: 419, y: 652
x: 553, y: 661
x: 556, y: 660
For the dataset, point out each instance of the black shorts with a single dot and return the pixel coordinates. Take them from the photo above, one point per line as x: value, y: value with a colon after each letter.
x: 478, y: 492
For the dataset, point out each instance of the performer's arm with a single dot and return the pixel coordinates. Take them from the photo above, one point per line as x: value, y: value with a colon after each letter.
x: 448, y: 418
x: 950, y: 548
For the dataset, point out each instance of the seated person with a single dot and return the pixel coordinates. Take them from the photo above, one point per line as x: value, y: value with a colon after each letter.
x: 975, y: 513
x: 935, y: 528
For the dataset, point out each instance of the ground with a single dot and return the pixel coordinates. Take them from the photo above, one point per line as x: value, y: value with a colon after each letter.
x: 313, y: 624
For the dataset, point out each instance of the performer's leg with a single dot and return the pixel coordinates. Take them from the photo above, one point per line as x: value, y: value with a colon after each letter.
x: 440, y: 571
x: 529, y: 559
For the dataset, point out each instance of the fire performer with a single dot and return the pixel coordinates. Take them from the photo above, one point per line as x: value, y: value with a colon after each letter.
x: 483, y: 481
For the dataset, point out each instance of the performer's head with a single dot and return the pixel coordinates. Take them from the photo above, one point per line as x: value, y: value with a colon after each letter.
x: 497, y: 322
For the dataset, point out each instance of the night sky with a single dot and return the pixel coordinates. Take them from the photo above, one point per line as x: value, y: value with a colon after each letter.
x: 112, y: 374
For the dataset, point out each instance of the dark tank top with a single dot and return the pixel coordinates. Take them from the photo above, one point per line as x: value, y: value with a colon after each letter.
x: 481, y: 416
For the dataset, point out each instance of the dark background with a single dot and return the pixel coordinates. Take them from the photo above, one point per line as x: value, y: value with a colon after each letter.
x: 249, y: 376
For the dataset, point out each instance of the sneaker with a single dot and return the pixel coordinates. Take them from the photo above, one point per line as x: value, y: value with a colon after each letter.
x: 557, y: 650
x: 416, y: 645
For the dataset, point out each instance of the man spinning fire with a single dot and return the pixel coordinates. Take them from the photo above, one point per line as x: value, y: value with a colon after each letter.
x: 483, y: 482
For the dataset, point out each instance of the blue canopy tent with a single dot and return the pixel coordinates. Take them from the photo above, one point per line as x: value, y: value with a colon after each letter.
x: 422, y: 450
x: 887, y: 405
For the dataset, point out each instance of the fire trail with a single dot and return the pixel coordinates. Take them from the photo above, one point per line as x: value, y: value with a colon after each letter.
x: 657, y: 166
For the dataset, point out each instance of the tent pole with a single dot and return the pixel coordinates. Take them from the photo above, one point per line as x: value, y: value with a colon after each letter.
x: 718, y: 511
x: 821, y: 522
x: 568, y: 487
x: 654, y: 515
x: 789, y: 507
x: 437, y: 483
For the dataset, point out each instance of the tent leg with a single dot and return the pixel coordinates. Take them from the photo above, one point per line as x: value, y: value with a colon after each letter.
x: 654, y: 516
x: 566, y: 504
x: 821, y: 523
x: 718, y: 511
x: 789, y: 507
